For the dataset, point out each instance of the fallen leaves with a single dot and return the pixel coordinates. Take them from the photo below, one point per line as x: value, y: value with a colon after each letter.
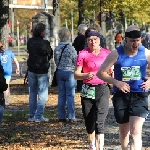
x: 18, y: 134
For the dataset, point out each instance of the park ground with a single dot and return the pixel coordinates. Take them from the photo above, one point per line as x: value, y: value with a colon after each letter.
x: 16, y: 133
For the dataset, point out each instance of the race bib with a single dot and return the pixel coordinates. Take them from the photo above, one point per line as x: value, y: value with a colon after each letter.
x: 88, y: 92
x: 131, y: 73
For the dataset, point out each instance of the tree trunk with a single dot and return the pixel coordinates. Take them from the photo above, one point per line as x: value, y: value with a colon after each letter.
x: 81, y: 11
x: 4, y: 14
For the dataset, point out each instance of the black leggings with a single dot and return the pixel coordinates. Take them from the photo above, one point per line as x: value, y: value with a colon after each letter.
x: 96, y: 110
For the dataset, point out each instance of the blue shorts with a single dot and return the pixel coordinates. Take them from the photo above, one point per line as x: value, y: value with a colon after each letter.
x: 7, y: 77
x: 130, y: 104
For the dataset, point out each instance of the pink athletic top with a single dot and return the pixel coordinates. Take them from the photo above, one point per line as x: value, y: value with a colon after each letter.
x: 92, y: 63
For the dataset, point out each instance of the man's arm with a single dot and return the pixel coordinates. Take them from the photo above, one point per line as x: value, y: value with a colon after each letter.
x: 104, y: 69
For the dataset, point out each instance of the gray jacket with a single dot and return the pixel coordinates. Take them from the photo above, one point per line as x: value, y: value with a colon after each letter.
x: 68, y: 59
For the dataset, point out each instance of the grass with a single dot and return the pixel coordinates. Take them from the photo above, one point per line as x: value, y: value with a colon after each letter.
x: 22, y: 115
x: 21, y: 58
x: 23, y: 53
x: 11, y: 116
x: 21, y: 47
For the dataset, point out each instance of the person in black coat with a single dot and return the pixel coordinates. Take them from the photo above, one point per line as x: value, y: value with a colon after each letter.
x: 79, y: 44
x: 3, y: 87
x: 40, y: 53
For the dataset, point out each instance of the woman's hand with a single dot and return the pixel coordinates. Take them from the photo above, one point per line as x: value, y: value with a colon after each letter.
x: 90, y: 76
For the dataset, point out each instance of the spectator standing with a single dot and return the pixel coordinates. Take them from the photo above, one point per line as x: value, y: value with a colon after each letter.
x: 6, y: 57
x: 79, y: 44
x: 38, y: 64
x: 146, y: 39
x: 118, y: 38
x: 79, y: 41
x: 65, y: 76
x: 10, y: 39
x: 25, y: 40
x: 22, y: 40
x: 131, y: 85
x: 95, y: 92
x: 143, y: 37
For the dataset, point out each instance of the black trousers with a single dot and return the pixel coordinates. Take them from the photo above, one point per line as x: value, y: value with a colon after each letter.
x: 96, y: 110
x: 79, y: 85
